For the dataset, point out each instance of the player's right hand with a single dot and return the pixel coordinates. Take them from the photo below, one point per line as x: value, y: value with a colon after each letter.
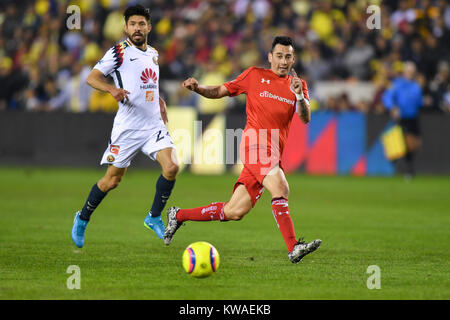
x: 190, y: 84
x: 119, y: 94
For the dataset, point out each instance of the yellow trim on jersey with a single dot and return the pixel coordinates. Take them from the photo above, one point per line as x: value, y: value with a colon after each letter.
x: 125, y: 44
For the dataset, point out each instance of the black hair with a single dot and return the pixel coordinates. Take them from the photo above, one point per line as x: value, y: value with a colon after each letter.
x: 283, y: 40
x: 136, y: 10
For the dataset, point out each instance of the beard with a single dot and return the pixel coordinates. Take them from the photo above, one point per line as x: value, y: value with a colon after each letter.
x: 140, y: 42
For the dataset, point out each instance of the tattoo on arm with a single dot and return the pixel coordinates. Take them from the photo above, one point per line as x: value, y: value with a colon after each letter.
x: 210, y: 92
x: 304, y: 111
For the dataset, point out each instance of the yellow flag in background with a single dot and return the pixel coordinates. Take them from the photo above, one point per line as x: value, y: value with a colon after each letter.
x: 209, y: 154
x: 394, y: 143
x: 181, y: 128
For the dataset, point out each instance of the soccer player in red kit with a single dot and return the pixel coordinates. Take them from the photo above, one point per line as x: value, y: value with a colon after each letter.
x: 273, y: 97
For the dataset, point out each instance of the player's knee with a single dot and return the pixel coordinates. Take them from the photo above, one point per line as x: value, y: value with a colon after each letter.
x: 112, y: 183
x: 282, y: 191
x: 171, y: 170
x: 237, y: 213
x: 286, y: 191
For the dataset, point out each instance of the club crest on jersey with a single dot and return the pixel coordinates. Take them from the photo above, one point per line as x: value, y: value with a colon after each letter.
x: 155, y: 60
x: 148, y: 75
x: 110, y: 158
x: 264, y: 80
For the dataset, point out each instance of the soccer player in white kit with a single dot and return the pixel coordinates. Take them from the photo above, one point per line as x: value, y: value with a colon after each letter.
x: 139, y: 124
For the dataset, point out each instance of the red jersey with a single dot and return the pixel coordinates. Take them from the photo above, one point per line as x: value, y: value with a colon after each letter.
x: 270, y: 105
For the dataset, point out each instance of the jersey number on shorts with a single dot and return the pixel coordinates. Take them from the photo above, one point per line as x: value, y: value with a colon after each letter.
x: 158, y: 138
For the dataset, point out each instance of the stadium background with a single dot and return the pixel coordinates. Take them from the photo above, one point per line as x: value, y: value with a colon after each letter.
x: 51, y: 117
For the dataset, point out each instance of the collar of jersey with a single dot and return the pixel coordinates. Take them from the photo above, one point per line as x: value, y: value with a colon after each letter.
x: 277, y: 76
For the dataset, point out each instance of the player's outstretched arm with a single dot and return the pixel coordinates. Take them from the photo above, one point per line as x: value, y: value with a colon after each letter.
x: 96, y: 80
x: 211, y: 92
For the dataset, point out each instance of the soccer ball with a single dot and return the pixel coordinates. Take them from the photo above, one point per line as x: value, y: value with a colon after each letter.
x: 200, y: 259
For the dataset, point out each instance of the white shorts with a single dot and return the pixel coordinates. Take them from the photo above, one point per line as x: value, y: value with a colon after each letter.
x: 125, y: 144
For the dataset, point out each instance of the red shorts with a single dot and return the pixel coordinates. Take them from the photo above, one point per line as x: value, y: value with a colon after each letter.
x: 251, y: 177
x: 258, y: 160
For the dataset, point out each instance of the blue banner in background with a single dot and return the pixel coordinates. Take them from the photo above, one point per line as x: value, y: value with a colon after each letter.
x: 337, y: 144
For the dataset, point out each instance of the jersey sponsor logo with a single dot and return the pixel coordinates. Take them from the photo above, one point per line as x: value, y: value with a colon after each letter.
x: 267, y: 94
x: 149, y: 96
x: 264, y: 80
x: 147, y: 75
x: 114, y: 149
x: 280, y: 202
x: 148, y: 86
x: 208, y: 209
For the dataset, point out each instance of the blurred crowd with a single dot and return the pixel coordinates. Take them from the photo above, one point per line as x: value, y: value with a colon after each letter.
x: 44, y: 64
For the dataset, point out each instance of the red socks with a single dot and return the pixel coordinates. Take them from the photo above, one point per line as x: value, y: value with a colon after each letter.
x: 280, y: 210
x: 213, y: 211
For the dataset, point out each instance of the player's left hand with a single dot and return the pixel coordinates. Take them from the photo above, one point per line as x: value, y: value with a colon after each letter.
x: 163, y: 110
x: 296, y: 83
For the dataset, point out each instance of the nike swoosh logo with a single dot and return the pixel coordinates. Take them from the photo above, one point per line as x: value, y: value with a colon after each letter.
x: 133, y: 59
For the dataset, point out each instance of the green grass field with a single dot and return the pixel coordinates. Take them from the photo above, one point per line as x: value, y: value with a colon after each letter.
x: 401, y: 227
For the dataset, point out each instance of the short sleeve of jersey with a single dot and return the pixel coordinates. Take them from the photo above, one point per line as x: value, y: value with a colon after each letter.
x: 240, y: 84
x: 107, y: 64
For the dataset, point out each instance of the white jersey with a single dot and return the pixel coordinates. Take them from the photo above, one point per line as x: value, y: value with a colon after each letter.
x: 136, y: 71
